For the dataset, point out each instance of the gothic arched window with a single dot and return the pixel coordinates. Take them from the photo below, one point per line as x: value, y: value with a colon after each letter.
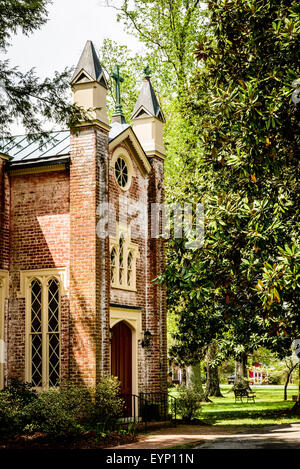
x: 123, y: 258
x: 121, y: 172
x: 44, y: 333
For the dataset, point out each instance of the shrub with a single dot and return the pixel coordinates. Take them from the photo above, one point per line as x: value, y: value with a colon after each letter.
x: 13, y: 401
x: 11, y: 414
x: 22, y: 392
x: 60, y: 413
x: 108, y: 405
x: 274, y: 377
x: 188, y: 403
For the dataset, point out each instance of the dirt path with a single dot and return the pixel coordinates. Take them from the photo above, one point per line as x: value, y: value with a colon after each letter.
x: 210, y: 437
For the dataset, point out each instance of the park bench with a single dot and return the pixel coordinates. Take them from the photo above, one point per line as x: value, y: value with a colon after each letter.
x: 239, y: 394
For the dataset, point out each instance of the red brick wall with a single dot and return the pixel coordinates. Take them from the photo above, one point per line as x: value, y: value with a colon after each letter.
x: 89, y: 282
x: 40, y: 233
x: 151, y: 299
x: 156, y: 294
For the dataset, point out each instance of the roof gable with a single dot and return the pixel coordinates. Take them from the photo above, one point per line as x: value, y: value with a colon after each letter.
x: 125, y: 135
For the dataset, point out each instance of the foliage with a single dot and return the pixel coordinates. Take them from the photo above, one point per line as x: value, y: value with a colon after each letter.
x: 21, y: 391
x: 167, y: 29
x: 64, y: 412
x: 60, y: 413
x: 242, y: 287
x: 23, y: 96
x: 188, y: 402
x: 11, y: 414
x: 108, y: 405
x: 274, y: 377
x: 168, y: 32
x: 13, y: 402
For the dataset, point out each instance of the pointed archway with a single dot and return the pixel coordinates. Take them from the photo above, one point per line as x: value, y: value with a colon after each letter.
x: 121, y: 356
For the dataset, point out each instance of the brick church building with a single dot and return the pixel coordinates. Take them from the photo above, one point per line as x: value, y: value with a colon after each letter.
x: 77, y: 255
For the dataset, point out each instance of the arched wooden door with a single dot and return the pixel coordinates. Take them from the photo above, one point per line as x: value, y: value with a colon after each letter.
x: 121, y: 359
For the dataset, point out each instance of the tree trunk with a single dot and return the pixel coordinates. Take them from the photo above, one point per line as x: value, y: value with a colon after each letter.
x: 241, y: 377
x: 288, y: 380
x: 212, y: 375
x: 193, y: 377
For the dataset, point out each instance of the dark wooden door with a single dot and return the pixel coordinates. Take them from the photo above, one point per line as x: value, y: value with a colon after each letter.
x: 121, y: 359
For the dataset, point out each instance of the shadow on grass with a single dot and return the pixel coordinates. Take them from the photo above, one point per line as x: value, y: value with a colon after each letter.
x: 257, y: 415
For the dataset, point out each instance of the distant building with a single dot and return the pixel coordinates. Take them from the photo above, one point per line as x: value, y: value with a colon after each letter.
x: 256, y: 374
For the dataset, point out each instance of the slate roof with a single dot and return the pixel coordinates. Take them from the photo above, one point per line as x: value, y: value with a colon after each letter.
x: 147, y: 101
x: 89, y: 63
x: 116, y: 130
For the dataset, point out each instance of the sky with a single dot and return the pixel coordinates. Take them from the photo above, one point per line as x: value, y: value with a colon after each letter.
x: 59, y: 42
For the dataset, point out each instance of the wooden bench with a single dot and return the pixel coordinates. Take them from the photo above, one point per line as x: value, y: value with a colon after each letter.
x: 239, y: 394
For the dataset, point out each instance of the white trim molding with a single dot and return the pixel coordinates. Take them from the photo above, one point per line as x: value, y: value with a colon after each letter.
x: 131, y: 141
x: 44, y: 275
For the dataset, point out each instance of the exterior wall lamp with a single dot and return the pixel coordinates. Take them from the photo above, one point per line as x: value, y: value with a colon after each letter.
x: 146, y: 340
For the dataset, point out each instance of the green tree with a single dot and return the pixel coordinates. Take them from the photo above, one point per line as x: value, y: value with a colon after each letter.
x: 23, y: 96
x: 168, y: 28
x: 168, y: 31
x: 245, y: 127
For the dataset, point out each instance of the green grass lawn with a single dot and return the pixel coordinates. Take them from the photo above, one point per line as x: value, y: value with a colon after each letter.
x: 269, y: 407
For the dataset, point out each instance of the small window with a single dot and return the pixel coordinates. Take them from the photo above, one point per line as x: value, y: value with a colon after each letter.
x: 129, y: 269
x: 121, y: 173
x: 113, y: 265
x: 121, y: 260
